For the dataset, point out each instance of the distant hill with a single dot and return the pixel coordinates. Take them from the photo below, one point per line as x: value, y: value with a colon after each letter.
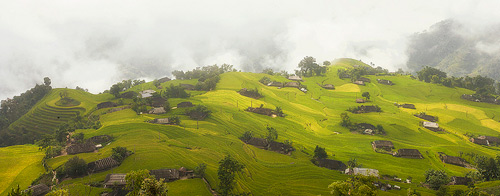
x: 456, y: 49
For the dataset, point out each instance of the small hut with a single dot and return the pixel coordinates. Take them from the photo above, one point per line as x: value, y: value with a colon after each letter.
x: 292, y: 84
x: 263, y: 111
x: 329, y: 86
x: 279, y: 147
x: 362, y: 171
x: 382, y: 144
x: 102, y: 164
x: 163, y: 121
x: 185, y: 104
x: 359, y: 82
x: 159, y: 110
x: 453, y: 160
x: 115, y: 181
x: 107, y: 104
x: 295, y: 78
x: 168, y: 175
x: 80, y: 148
x: 431, y: 126
x: 258, y: 142
x: 479, y: 141
x: 39, y: 189
x: 408, y: 106
x: 427, y: 117
x: 408, y: 153
x: 331, y: 164
x: 386, y: 82
x: 491, y: 139
x: 360, y: 101
x: 364, y: 79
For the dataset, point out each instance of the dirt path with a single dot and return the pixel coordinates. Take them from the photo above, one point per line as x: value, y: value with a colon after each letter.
x: 214, y: 193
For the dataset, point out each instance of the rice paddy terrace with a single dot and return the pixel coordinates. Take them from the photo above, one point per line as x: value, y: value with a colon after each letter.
x: 312, y: 118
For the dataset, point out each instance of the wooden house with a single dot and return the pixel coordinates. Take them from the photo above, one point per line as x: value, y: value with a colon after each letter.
x: 102, y: 164
x: 408, y: 153
x: 386, y: 82
x: 39, y: 189
x: 115, y: 181
x: 168, y: 175
x: 383, y: 144
x: 80, y: 148
x: 331, y: 164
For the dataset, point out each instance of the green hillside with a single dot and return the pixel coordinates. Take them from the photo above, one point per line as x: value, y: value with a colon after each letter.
x: 312, y: 118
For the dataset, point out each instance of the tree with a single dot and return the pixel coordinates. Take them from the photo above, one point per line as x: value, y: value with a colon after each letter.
x: 279, y: 111
x: 78, y: 137
x: 366, y: 95
x: 166, y: 106
x: 75, y: 167
x: 272, y: 134
x: 307, y: 66
x: 352, y: 163
x: 151, y: 186
x: 46, y: 81
x: 199, y: 112
x: 18, y: 192
x: 354, y: 186
x: 268, y: 71
x: 436, y: 178
x: 119, y: 153
x: 115, y: 90
x: 320, y: 153
x: 247, y: 136
x: 134, y: 181
x: 326, y: 63
x: 156, y: 83
x: 227, y: 169
x: 346, y: 121
x: 200, y: 170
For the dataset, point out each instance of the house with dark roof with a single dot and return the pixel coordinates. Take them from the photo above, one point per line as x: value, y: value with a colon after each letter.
x: 80, y: 148
x: 329, y: 86
x: 427, y: 117
x: 408, y: 153
x: 292, y: 84
x: 185, y: 104
x: 479, y: 141
x: 258, y: 142
x: 159, y: 110
x: 147, y: 93
x: 279, y: 147
x: 168, y: 175
x: 187, y: 86
x: 331, y: 164
x: 102, y: 164
x: 359, y: 82
x: 107, y: 104
x: 364, y: 79
x: 382, y: 144
x: 386, y: 82
x: 491, y: 139
x: 408, y: 106
x: 39, y: 189
x: 453, y: 160
x: 115, y: 181
x: 362, y: 171
x: 367, y: 108
x: 263, y: 111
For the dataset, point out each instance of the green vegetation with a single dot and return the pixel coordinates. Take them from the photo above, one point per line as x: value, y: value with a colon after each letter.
x: 436, y: 178
x: 356, y: 186
x: 141, y: 183
x: 228, y: 167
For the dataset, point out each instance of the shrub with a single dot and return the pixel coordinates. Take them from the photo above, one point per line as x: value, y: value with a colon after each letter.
x: 320, y: 153
x: 199, y: 112
x: 247, y: 136
x: 75, y: 167
x: 119, y: 153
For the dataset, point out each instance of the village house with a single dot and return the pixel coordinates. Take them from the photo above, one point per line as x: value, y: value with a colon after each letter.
x: 386, y: 82
x: 453, y: 160
x: 168, y: 175
x: 295, y: 78
x: 279, y: 147
x: 331, y: 164
x: 263, y: 111
x: 479, y: 141
x: 185, y: 104
x: 115, y: 181
x: 408, y: 153
x: 362, y: 171
x: 276, y: 84
x: 258, y: 142
x: 359, y: 82
x: 427, y: 117
x: 164, y: 121
x: 292, y: 84
x: 431, y: 126
x: 382, y: 144
x: 39, y: 189
x: 147, y: 93
x: 457, y: 180
x: 408, y: 106
x: 80, y: 148
x: 360, y: 101
x: 159, y: 110
x: 102, y: 164
x: 491, y: 139
x: 364, y: 79
x: 328, y: 86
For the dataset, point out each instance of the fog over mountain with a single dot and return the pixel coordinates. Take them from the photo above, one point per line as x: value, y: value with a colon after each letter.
x: 94, y: 44
x: 458, y: 49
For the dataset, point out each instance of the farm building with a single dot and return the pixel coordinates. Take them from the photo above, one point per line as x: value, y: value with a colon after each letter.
x: 295, y: 78
x: 187, y: 86
x: 427, y: 117
x: 328, y: 86
x: 456, y: 180
x: 159, y: 110
x: 409, y: 106
x: 408, y: 153
x: 185, y: 104
x: 39, y: 189
x: 360, y: 101
x: 292, y: 84
x: 383, y: 144
x: 386, y: 82
x: 276, y: 84
x: 364, y: 79
x: 490, y: 139
x: 479, y: 141
x: 164, y: 121
x: 359, y: 82
x: 331, y: 164
x: 279, y: 147
x: 107, y: 104
x: 263, y: 111
x: 258, y: 142
x: 115, y: 181
x: 102, y: 164
x: 80, y: 148
x: 362, y: 171
x: 147, y: 93
x: 165, y: 79
x: 453, y: 160
x: 366, y: 109
x: 167, y: 174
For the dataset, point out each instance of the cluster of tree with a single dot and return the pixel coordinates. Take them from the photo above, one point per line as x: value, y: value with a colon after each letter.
x: 18, y: 192
x: 483, y: 86
x: 175, y: 92
x: 488, y: 167
x: 120, y: 153
x: 265, y: 80
x: 253, y: 93
x: 228, y: 167
x: 199, y: 112
x: 308, y: 67
x: 271, y: 72
x: 346, y: 122
x: 123, y: 86
x: 207, y: 76
x: 320, y: 153
x: 357, y: 185
x: 13, y: 109
x: 66, y: 100
x: 140, y: 105
x: 355, y: 73
x: 141, y: 183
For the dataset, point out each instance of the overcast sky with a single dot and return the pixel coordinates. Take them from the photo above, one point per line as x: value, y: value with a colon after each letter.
x: 95, y: 43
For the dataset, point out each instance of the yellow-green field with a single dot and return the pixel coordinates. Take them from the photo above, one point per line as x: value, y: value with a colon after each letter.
x: 312, y: 119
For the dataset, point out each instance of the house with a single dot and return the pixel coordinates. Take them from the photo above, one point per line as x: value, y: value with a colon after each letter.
x: 165, y: 79
x: 328, y: 86
x: 479, y: 141
x: 491, y: 139
x: 147, y: 93
x: 453, y: 160
x: 408, y: 153
x: 185, y: 104
x: 279, y: 147
x: 164, y: 121
x: 276, y: 84
x: 362, y: 171
x: 359, y: 82
x: 331, y: 164
x: 107, y: 104
x: 360, y: 101
x: 39, y: 189
x: 431, y: 126
x: 366, y: 126
x: 258, y: 142
x: 303, y: 90
x: 295, y: 78
x: 263, y: 111
x: 382, y: 144
x: 386, y: 82
x: 456, y: 180
x: 115, y: 180
x: 187, y: 86
x: 409, y: 106
x: 427, y: 117
x: 159, y: 110
x: 366, y: 109
x: 292, y: 84
x: 102, y: 164
x: 80, y: 148
x: 364, y: 79
x: 167, y: 174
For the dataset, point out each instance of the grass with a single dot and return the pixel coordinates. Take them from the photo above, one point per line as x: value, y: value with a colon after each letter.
x: 312, y: 119
x: 19, y: 165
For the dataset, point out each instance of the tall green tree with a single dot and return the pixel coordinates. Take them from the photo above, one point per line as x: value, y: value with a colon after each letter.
x: 227, y: 169
x: 436, y: 178
x: 272, y: 134
x: 320, y: 153
x: 354, y: 186
x: 366, y: 95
